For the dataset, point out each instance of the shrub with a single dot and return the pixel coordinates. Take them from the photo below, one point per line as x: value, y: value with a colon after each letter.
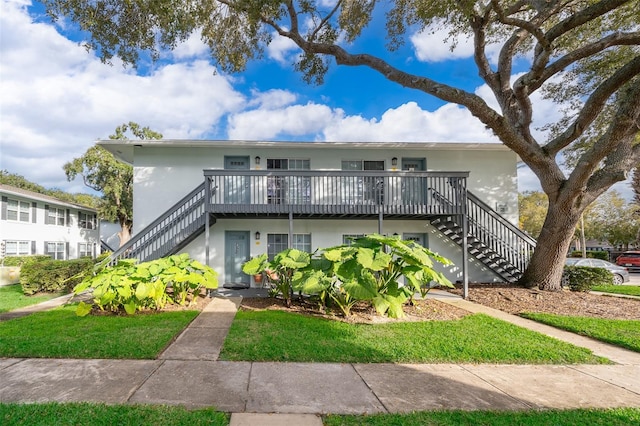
x: 134, y: 287
x: 583, y: 278
x: 53, y: 275
x: 21, y: 260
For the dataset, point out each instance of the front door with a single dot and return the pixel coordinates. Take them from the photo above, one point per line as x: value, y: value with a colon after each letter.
x: 414, y: 189
x: 236, y: 252
x: 236, y: 188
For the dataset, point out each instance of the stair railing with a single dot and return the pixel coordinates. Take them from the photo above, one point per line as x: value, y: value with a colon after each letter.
x: 161, y: 236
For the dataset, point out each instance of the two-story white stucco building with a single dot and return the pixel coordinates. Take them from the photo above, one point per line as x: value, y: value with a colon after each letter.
x: 226, y: 201
x: 33, y: 223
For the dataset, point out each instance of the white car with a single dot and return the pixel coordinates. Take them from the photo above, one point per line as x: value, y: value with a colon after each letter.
x: 620, y: 274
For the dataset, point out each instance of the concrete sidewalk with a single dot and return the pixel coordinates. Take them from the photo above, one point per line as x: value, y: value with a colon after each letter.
x: 188, y: 373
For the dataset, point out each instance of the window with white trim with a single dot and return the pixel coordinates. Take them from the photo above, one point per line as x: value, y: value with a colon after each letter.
x: 56, y: 216
x: 17, y: 248
x: 347, y: 239
x: 279, y: 242
x: 86, y: 220
x: 18, y: 210
x: 56, y: 250
x: 85, y: 250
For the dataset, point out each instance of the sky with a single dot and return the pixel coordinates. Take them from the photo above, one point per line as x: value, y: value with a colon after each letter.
x: 57, y: 99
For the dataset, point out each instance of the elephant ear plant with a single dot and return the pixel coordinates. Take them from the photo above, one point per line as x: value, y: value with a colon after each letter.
x: 369, y: 269
x: 134, y: 287
x: 282, y: 272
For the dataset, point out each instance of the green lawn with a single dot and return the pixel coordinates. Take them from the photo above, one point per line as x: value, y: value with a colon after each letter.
x: 11, y: 297
x: 283, y: 336
x: 59, y: 333
x: 612, y: 417
x: 106, y: 415
x: 625, y: 333
x: 81, y: 414
x: 631, y: 290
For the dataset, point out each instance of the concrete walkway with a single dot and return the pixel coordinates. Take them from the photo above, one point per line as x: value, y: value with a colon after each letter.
x: 267, y: 393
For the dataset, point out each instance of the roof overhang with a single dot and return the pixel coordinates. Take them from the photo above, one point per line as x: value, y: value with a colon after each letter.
x: 124, y: 149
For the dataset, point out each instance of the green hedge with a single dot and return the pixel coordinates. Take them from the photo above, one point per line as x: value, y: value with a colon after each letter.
x: 604, y: 255
x: 21, y: 260
x: 53, y: 275
x: 583, y: 278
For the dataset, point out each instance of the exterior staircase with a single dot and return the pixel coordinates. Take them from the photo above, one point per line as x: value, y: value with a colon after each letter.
x: 491, y: 239
x: 169, y: 233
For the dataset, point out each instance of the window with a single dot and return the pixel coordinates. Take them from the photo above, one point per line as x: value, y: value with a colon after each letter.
x: 18, y: 210
x: 288, y: 189
x: 348, y: 238
x: 279, y: 242
x: 363, y: 189
x: 56, y: 216
x: 56, y: 250
x: 86, y: 220
x: 17, y: 248
x: 85, y: 250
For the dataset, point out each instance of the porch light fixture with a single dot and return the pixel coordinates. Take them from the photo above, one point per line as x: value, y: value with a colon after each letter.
x: 257, y: 232
x: 394, y: 161
x: 257, y: 160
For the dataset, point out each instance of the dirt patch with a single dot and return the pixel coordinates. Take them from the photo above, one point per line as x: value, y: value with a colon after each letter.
x: 516, y: 300
x: 422, y: 310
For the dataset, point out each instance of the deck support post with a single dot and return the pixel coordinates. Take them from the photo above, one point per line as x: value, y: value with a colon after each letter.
x: 207, y: 224
x: 380, y: 216
x: 465, y: 242
x: 290, y: 244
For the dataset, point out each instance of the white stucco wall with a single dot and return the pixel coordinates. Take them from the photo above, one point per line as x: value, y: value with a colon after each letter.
x: 163, y: 175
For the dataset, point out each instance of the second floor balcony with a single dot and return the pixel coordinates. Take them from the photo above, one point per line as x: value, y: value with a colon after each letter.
x: 327, y: 194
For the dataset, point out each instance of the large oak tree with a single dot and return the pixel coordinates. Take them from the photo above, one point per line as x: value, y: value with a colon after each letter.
x: 582, y: 53
x: 101, y: 172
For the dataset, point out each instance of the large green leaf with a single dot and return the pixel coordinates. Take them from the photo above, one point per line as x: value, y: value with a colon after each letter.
x: 83, y: 309
x: 294, y: 259
x: 130, y: 307
x: 361, y: 289
x: 143, y: 290
x: 255, y: 265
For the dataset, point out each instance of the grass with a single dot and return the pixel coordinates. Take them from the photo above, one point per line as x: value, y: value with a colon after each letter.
x: 12, y: 297
x: 631, y: 290
x: 610, y: 417
x: 123, y: 415
x: 59, y: 333
x: 625, y: 333
x: 106, y: 415
x: 283, y: 336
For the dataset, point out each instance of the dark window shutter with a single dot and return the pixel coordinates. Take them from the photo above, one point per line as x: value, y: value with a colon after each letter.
x: 46, y: 215
x: 66, y: 251
x: 34, y: 212
x: 46, y: 248
x: 68, y: 217
x: 33, y: 247
x: 4, y: 208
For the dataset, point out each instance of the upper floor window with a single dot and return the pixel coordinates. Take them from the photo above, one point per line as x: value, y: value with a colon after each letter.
x: 17, y: 248
x: 56, y: 216
x: 86, y: 220
x: 18, y: 210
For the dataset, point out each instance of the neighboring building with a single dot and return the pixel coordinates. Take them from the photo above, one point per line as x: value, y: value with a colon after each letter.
x: 33, y: 223
x: 263, y: 197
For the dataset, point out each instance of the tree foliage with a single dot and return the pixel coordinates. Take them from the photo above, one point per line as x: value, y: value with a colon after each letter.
x: 101, y: 172
x: 611, y: 218
x: 584, y: 54
x: 532, y: 206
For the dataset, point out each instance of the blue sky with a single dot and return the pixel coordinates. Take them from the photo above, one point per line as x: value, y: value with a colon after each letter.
x: 57, y: 98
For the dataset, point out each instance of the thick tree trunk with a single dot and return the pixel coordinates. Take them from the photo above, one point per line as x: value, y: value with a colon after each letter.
x: 125, y: 232
x: 547, y: 263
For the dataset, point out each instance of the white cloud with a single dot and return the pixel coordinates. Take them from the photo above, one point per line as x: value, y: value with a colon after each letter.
x: 193, y: 47
x: 57, y: 99
x: 433, y: 44
x: 281, y: 49
x: 294, y: 120
x: 272, y: 99
x: 410, y: 123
